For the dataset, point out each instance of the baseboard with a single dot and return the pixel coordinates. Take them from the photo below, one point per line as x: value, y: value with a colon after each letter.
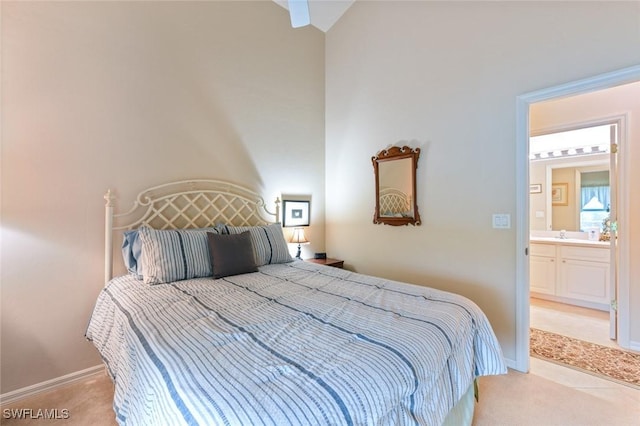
x: 634, y: 346
x: 18, y: 394
x: 511, y: 363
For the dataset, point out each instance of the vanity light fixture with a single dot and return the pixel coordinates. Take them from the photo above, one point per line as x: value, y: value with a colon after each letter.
x: 585, y: 150
x: 298, y: 238
x: 574, y: 142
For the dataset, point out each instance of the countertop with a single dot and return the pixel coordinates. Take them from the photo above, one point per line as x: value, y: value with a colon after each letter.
x: 570, y: 241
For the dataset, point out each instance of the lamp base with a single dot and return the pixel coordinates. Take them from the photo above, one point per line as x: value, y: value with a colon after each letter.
x: 298, y: 254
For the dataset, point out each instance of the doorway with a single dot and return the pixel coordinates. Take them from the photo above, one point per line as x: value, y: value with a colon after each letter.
x: 523, y: 104
x: 572, y: 260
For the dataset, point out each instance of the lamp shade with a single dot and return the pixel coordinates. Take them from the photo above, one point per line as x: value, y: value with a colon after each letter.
x: 298, y: 236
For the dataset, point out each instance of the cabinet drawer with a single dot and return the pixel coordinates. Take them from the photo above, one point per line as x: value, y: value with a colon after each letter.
x: 585, y: 253
x: 547, y: 250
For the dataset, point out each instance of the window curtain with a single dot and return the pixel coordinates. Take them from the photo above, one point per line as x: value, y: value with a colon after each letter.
x: 600, y: 192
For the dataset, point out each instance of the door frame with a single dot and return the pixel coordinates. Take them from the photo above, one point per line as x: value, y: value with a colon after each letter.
x: 603, y: 81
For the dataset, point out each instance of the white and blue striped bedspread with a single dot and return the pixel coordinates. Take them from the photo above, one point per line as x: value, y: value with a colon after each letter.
x: 292, y: 344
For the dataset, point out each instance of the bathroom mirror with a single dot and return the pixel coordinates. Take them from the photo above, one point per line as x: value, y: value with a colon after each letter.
x: 569, y: 172
x: 587, y: 200
x: 395, y: 180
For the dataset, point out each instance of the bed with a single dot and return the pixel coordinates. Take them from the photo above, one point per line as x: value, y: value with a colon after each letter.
x: 255, y: 337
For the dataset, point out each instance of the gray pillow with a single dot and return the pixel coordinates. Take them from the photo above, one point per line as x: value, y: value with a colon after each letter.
x: 231, y: 254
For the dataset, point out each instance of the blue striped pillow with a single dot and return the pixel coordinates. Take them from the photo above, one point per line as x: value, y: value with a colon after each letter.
x: 174, y: 254
x: 269, y: 245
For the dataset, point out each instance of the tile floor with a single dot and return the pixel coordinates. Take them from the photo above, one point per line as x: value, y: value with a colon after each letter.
x: 585, y: 324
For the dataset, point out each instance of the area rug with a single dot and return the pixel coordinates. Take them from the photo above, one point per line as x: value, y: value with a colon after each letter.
x: 609, y: 363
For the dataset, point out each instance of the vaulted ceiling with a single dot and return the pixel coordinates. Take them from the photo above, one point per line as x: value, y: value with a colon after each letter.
x: 323, y: 13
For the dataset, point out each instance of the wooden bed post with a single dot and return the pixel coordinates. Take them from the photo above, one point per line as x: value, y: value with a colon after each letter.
x: 108, y: 236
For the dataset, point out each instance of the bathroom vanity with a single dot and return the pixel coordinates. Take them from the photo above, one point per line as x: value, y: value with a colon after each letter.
x: 573, y: 271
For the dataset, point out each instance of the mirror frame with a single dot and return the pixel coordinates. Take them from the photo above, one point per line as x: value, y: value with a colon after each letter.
x: 391, y: 154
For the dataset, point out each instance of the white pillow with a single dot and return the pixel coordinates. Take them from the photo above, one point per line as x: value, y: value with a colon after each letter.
x: 174, y: 254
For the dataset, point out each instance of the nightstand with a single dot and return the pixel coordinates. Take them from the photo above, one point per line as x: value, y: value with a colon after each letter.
x: 336, y: 263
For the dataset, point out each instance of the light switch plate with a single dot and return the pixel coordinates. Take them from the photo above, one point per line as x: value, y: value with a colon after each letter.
x: 502, y: 221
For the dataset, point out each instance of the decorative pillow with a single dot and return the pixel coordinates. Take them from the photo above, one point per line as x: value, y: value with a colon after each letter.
x: 173, y: 254
x: 231, y: 254
x: 131, y: 251
x: 269, y: 245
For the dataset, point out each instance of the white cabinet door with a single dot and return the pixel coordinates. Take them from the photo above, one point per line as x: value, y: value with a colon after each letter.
x: 542, y: 274
x: 584, y: 280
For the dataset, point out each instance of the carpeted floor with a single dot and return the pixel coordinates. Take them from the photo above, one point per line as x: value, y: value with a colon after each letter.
x: 507, y: 400
x: 603, y: 361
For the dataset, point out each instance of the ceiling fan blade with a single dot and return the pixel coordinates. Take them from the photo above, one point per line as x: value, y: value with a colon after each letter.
x: 299, y: 12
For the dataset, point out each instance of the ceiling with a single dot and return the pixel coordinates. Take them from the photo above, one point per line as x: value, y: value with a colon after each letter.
x: 323, y: 13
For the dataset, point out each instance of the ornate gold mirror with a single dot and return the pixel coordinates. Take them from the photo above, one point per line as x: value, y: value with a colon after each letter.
x: 395, y: 175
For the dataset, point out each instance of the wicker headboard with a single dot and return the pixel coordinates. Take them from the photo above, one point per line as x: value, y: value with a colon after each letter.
x: 394, y: 201
x: 186, y: 204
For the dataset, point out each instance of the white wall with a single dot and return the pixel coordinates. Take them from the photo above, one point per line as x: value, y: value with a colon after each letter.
x: 622, y: 100
x: 446, y: 75
x: 126, y: 95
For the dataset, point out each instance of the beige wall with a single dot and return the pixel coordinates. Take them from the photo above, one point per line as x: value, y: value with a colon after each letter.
x: 564, y: 217
x: 447, y: 75
x: 125, y: 95
x: 622, y: 100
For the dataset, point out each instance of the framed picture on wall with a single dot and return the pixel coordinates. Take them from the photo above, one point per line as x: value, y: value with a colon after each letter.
x: 536, y: 188
x: 295, y: 213
x: 559, y: 194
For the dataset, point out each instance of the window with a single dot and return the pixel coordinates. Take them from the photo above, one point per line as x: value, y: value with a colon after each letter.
x: 595, y: 200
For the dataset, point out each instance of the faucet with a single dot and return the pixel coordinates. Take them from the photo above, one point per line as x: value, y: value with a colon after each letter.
x: 563, y: 234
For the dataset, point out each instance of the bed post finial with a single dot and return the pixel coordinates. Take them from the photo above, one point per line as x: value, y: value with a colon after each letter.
x: 108, y: 236
x: 109, y: 197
